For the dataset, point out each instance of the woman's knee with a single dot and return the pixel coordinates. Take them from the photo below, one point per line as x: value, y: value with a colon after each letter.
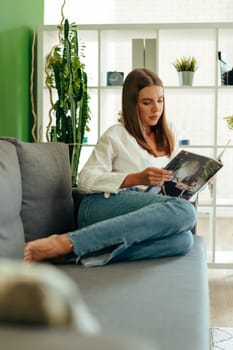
x: 186, y: 212
x: 185, y: 242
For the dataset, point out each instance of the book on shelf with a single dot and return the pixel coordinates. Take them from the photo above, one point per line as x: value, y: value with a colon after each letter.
x: 138, y: 53
x: 150, y: 54
x: 144, y: 53
x: 191, y: 172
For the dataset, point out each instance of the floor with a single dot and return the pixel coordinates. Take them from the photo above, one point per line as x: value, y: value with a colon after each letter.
x: 220, y: 280
x: 221, y: 338
x: 221, y: 297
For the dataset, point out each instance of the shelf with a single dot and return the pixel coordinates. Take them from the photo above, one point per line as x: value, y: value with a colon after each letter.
x: 224, y: 203
x: 185, y: 87
x: 222, y: 87
x: 219, y: 204
x: 108, y: 87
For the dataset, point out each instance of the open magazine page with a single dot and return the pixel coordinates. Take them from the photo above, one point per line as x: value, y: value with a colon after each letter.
x: 190, y: 173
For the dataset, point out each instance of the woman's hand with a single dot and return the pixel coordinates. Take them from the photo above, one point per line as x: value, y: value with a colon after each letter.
x: 212, y: 180
x: 154, y: 176
x: 149, y: 177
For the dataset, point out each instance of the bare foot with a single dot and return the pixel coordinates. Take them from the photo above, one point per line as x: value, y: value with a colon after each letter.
x: 46, y: 248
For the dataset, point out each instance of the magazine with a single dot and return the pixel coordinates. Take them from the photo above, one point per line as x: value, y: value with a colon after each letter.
x: 191, y: 172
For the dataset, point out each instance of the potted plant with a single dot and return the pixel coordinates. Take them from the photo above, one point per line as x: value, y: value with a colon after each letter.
x: 66, y: 73
x: 186, y: 66
x: 229, y: 120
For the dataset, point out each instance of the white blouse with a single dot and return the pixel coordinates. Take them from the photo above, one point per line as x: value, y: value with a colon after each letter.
x: 116, y: 155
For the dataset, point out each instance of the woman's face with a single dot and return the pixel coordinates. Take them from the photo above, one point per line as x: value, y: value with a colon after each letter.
x: 150, y: 105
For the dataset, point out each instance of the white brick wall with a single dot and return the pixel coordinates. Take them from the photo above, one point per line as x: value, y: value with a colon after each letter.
x: 132, y: 11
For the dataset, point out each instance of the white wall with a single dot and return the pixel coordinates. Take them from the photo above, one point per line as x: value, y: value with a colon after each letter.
x: 133, y: 11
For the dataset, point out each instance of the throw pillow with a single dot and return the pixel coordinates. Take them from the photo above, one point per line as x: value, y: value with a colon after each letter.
x: 11, y: 228
x: 42, y: 295
x: 47, y: 204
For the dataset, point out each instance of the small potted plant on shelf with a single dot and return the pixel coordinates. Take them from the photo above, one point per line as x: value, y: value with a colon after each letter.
x: 229, y: 120
x: 186, y: 66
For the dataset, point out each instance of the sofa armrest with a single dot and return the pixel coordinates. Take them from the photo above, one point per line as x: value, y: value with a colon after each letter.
x: 54, y: 339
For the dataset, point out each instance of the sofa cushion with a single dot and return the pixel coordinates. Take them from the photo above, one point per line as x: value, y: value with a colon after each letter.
x: 11, y: 228
x: 47, y: 205
x: 56, y: 299
x: 165, y: 299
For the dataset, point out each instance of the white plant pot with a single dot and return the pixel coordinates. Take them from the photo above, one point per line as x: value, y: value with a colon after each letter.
x: 186, y: 78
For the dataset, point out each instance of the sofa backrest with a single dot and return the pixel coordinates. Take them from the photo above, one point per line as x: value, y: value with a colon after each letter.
x: 11, y: 227
x: 47, y: 204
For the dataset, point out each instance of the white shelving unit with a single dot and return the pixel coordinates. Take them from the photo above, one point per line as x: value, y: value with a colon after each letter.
x: 197, y: 111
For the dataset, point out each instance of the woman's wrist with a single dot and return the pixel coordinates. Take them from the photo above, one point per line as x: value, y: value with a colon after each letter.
x: 131, y: 180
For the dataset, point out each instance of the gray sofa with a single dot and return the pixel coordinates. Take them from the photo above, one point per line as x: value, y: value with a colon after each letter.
x: 164, y: 301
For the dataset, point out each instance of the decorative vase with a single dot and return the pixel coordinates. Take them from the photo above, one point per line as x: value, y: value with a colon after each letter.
x: 186, y: 78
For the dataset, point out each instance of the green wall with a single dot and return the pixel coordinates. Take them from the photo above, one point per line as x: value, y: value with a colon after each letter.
x: 18, y: 20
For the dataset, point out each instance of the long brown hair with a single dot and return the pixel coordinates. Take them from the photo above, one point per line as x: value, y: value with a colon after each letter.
x: 136, y: 80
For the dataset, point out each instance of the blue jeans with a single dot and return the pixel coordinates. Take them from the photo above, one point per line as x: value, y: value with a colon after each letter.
x: 132, y: 225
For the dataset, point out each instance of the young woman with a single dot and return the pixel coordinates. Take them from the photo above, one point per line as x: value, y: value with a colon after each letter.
x: 117, y: 219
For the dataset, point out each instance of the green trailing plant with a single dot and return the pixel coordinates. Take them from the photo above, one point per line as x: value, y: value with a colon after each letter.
x: 229, y: 120
x: 66, y: 73
x: 186, y: 64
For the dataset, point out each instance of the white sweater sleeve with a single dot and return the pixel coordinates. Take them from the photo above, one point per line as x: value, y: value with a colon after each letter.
x: 97, y: 174
x: 116, y: 155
